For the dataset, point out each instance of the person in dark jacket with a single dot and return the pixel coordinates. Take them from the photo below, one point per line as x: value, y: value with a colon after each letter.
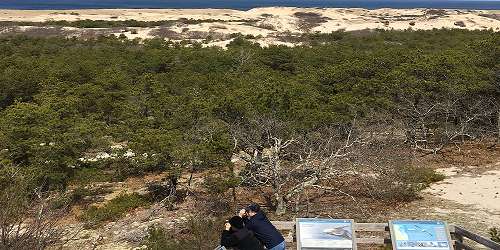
x: 256, y: 221
x: 236, y: 236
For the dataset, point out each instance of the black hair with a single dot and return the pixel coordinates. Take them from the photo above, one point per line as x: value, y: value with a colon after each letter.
x: 254, y: 207
x: 236, y: 222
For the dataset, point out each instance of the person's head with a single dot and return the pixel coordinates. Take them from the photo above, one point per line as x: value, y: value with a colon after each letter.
x: 236, y: 222
x: 252, y: 209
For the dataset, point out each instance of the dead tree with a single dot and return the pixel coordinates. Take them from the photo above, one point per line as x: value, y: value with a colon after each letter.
x: 430, y: 126
x: 289, y: 162
x: 28, y: 217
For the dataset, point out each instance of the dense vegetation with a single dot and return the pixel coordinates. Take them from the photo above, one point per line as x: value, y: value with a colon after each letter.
x: 61, y: 98
x: 301, y: 117
x: 64, y: 102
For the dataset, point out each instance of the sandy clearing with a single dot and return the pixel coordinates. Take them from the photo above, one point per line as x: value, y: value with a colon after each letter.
x: 265, y: 23
x: 482, y: 191
x: 282, y: 15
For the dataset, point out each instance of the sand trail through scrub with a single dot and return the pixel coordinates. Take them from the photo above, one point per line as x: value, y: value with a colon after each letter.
x: 481, y: 191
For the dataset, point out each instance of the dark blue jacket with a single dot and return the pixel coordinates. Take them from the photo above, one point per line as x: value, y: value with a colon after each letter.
x: 264, y: 230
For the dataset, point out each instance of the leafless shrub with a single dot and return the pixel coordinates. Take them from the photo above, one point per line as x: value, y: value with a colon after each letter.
x: 435, y: 12
x: 266, y: 26
x: 290, y: 37
x: 289, y: 163
x: 28, y: 216
x: 94, y: 33
x: 219, y: 26
x: 165, y: 32
x: 459, y: 24
x: 309, y: 20
x: 34, y: 31
x: 431, y: 126
x: 491, y: 15
x: 197, y: 34
x: 45, y: 32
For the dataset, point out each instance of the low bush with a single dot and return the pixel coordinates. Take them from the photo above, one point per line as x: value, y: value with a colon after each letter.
x: 28, y: 216
x: 494, y: 234
x: 219, y: 200
x: 197, y: 233
x: 403, y: 184
x: 114, y: 209
x: 91, y: 175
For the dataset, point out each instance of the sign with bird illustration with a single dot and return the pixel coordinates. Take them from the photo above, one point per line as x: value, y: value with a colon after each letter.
x: 325, y: 234
x: 420, y: 235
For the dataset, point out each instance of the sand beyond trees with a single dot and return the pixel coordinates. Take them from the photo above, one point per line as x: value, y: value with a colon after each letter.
x: 266, y: 25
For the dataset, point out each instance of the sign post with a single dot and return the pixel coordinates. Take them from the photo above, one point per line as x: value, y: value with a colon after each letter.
x: 420, y: 235
x: 325, y: 234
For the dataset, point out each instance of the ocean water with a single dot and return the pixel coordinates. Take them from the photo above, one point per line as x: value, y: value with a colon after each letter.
x: 246, y: 4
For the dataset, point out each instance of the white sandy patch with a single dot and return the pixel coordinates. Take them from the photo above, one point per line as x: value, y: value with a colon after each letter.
x: 269, y: 22
x: 482, y: 191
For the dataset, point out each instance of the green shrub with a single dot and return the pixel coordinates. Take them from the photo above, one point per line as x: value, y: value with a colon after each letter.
x: 425, y: 175
x: 197, y: 233
x: 219, y: 185
x: 80, y: 193
x: 403, y: 184
x: 218, y: 201
x: 114, y: 209
x: 158, y: 239
x: 249, y: 36
x: 90, y: 175
x: 494, y: 234
x: 234, y: 35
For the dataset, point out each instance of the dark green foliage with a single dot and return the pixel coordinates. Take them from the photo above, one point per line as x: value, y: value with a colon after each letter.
x: 424, y: 175
x: 63, y: 99
x: 494, y: 234
x: 197, y: 233
x: 219, y: 185
x: 89, y: 175
x: 401, y: 184
x: 157, y: 239
x: 113, y: 209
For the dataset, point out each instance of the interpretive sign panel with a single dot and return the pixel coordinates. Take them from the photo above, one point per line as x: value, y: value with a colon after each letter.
x: 420, y: 235
x: 325, y: 234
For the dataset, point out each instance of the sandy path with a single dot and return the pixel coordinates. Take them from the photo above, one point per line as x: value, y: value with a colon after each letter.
x: 469, y: 196
x: 481, y: 191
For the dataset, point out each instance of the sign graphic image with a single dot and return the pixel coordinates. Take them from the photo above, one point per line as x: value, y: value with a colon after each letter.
x: 420, y: 235
x: 325, y: 234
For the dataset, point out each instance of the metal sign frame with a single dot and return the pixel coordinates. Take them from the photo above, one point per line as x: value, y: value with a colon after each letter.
x: 297, y: 229
x: 393, y: 236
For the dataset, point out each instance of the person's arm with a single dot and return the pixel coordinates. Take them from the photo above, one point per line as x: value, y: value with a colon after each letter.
x: 228, y: 240
x: 242, y: 213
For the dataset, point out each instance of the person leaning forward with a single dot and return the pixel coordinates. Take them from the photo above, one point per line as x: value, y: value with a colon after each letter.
x: 236, y: 236
x: 256, y: 221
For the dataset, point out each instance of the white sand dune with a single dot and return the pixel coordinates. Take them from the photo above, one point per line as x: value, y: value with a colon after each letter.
x: 268, y: 23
